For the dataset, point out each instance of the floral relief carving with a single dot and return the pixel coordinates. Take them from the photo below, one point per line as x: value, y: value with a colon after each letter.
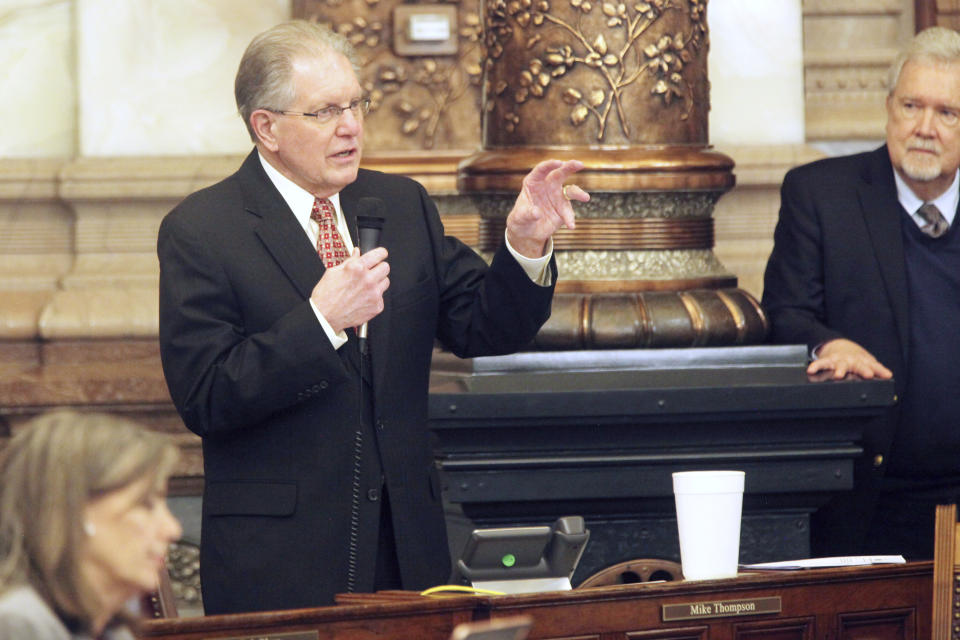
x: 183, y: 563
x: 616, y: 41
x: 639, y: 265
x: 675, y: 205
x: 416, y: 95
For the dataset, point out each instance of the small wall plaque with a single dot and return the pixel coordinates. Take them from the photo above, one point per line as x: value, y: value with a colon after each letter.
x: 425, y: 30
x: 720, y: 608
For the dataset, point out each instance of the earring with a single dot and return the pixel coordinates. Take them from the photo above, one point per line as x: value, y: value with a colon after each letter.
x: 89, y: 529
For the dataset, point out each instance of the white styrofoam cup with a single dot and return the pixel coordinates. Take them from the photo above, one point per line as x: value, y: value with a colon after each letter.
x: 709, y: 504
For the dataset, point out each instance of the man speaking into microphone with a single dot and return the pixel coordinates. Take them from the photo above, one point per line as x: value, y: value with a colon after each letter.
x: 319, y: 475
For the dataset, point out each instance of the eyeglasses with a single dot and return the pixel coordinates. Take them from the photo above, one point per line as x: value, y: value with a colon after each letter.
x: 329, y: 113
x: 910, y: 109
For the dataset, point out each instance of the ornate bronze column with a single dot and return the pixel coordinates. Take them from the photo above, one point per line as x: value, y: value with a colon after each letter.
x: 624, y: 88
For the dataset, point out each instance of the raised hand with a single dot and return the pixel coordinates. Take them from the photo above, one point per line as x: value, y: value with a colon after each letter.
x: 543, y: 206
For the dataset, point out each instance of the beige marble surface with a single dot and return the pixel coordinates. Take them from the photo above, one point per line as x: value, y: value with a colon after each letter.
x: 38, y: 109
x: 101, y: 78
x: 78, y: 238
x: 756, y: 72
x: 156, y: 77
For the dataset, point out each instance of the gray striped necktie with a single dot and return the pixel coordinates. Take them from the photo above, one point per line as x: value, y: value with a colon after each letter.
x: 936, y: 225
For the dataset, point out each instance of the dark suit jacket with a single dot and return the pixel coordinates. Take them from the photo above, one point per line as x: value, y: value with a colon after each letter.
x: 252, y: 372
x: 837, y: 270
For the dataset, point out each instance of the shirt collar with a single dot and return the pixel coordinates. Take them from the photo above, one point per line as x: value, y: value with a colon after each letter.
x: 946, y: 202
x: 298, y: 199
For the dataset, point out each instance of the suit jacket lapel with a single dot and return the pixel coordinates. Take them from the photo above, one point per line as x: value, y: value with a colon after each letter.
x: 378, y: 329
x: 882, y: 214
x: 278, y: 228
x: 286, y: 242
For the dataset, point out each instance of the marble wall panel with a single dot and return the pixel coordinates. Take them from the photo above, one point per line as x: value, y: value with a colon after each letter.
x: 152, y: 77
x: 156, y: 76
x: 756, y: 72
x: 38, y: 108
x: 745, y: 217
x: 155, y: 79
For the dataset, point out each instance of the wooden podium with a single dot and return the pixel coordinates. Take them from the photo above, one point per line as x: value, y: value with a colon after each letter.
x: 946, y: 574
x: 877, y: 602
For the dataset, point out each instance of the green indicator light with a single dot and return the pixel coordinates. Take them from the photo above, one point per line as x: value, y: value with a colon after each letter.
x: 508, y: 560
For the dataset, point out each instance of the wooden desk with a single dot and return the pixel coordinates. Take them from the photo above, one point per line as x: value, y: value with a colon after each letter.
x: 889, y: 602
x: 412, y: 618
x: 880, y: 602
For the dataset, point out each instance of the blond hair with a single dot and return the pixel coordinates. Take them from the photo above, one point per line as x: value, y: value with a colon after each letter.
x: 265, y: 76
x: 49, y: 471
x: 936, y: 44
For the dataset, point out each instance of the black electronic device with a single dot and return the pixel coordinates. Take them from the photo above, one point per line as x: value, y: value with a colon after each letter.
x: 523, y: 559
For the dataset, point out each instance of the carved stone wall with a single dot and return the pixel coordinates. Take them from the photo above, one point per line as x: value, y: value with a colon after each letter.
x: 848, y: 45
x: 423, y: 102
x: 78, y: 268
x: 79, y: 282
x: 746, y: 216
x: 417, y: 102
x: 945, y: 13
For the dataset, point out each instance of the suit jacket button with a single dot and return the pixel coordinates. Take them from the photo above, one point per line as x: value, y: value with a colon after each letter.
x: 380, y: 424
x: 323, y: 384
x: 373, y: 495
x: 316, y: 388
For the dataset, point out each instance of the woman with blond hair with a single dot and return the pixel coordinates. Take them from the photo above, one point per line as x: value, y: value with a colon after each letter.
x: 84, y: 525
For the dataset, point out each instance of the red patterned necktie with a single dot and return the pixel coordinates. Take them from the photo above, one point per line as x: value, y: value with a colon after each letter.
x: 330, y: 245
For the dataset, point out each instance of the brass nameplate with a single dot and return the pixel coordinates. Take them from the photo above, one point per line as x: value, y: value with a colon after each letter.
x: 720, y: 608
x: 291, y: 635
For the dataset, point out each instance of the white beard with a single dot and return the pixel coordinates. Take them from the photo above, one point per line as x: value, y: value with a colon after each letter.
x: 922, y: 169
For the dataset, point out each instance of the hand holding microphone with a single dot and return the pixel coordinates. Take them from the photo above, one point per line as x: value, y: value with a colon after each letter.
x: 352, y: 292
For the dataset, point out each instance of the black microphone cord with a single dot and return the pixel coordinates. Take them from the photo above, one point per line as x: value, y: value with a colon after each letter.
x: 368, y: 235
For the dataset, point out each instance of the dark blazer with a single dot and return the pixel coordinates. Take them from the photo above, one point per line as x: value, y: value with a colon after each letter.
x: 837, y: 270
x: 252, y: 372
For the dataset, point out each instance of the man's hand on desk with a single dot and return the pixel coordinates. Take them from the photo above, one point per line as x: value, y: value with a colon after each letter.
x: 839, y: 358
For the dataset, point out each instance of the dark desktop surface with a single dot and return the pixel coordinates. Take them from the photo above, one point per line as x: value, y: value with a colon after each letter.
x: 640, y: 383
x: 524, y: 439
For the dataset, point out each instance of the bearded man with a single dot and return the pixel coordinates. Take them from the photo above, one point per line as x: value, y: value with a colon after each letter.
x: 865, y: 271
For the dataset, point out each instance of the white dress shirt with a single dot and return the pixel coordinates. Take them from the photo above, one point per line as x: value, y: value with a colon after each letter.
x: 300, y: 202
x: 946, y: 202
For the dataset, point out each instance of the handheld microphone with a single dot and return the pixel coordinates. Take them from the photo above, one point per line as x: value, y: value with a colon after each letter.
x: 370, y: 220
x: 371, y: 213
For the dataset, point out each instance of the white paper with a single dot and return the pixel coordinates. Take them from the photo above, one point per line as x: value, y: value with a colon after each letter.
x: 818, y: 563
